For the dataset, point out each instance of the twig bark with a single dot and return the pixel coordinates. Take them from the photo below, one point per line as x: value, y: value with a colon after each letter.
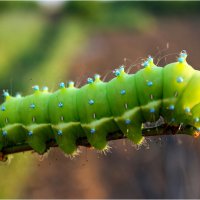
x: 147, y: 132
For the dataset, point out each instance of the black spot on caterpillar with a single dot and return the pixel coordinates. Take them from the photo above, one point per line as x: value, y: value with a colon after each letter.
x: 124, y: 103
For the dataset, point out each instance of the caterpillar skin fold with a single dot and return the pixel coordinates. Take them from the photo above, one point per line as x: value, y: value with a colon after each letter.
x: 124, y: 103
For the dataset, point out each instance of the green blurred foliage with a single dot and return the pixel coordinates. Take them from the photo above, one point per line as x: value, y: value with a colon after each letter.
x: 64, y: 48
x: 90, y: 10
x: 33, y: 46
x: 109, y: 15
x: 18, y: 34
x: 10, y: 6
x: 169, y: 8
x: 14, y: 174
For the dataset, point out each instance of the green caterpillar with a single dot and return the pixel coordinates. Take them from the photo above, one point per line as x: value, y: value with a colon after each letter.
x: 124, y: 103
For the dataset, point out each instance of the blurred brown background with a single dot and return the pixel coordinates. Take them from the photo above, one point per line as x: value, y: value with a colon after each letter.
x: 48, y: 42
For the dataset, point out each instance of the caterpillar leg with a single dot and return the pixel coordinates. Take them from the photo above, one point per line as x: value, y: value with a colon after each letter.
x: 130, y: 123
x: 94, y: 112
x: 195, y: 118
x: 66, y: 136
x: 12, y: 135
x: 131, y: 129
x: 135, y: 134
x: 97, y: 132
x: 38, y: 135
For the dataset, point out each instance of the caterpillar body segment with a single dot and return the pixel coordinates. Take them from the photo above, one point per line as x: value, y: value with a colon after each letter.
x: 187, y: 108
x: 179, y: 74
x: 94, y: 112
x: 64, y: 117
x: 10, y: 122
x: 98, y: 108
x: 33, y: 114
x: 150, y: 80
x: 63, y: 107
x: 195, y: 113
x: 33, y: 109
x: 124, y: 104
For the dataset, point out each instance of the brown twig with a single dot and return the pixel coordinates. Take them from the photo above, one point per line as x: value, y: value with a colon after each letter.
x: 147, y: 132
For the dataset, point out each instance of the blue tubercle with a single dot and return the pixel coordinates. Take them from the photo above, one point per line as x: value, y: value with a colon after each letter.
x: 196, y: 119
x: 187, y: 110
x: 60, y: 104
x: 90, y: 80
x: 117, y: 72
x: 181, y: 59
x: 152, y: 110
x: 32, y: 106
x: 179, y: 79
x: 59, y: 132
x: 30, y: 133
x: 149, y: 83
x: 145, y: 64
x: 36, y: 87
x: 127, y: 121
x: 91, y: 101
x: 122, y: 92
x: 5, y: 93
x: 4, y: 133
x: 92, y: 130
x: 62, y: 85
x: 171, y: 107
x: 3, y: 108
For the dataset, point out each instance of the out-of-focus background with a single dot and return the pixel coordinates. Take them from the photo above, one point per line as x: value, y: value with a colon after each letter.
x: 48, y: 42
